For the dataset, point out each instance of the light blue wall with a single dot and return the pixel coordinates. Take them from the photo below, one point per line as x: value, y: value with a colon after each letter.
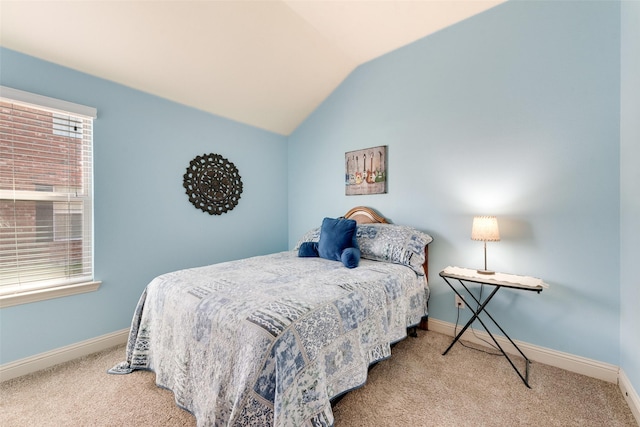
x: 514, y: 112
x: 144, y: 223
x: 630, y: 192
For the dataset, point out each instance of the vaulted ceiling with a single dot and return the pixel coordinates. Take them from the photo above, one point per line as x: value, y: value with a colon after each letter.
x: 266, y: 63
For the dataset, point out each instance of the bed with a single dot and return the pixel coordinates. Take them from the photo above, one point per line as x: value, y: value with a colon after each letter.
x: 271, y: 340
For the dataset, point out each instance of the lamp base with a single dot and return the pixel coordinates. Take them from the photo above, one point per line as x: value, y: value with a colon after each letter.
x: 486, y: 272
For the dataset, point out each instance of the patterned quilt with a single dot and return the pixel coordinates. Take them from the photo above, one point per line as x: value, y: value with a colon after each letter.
x: 269, y: 340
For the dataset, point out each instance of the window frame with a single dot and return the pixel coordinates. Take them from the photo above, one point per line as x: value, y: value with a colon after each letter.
x: 43, y: 290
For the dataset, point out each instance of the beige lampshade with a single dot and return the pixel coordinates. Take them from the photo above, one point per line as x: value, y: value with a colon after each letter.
x: 485, y: 228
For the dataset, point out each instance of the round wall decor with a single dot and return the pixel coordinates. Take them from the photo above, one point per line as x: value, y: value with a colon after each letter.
x: 213, y: 184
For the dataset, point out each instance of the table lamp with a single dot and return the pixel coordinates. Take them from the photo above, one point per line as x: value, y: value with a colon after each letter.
x: 485, y: 228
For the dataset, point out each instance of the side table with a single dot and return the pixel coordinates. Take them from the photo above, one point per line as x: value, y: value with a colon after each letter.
x: 497, y: 280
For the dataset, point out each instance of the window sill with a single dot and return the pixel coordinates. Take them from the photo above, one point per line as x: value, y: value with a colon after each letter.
x: 45, y: 294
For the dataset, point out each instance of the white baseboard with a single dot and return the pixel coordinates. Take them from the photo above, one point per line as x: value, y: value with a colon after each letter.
x: 630, y: 395
x: 60, y: 355
x: 569, y: 362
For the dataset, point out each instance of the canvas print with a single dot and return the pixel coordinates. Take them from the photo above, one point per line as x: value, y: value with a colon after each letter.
x: 366, y: 171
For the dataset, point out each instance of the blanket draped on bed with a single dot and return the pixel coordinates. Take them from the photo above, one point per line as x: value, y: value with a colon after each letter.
x: 269, y: 340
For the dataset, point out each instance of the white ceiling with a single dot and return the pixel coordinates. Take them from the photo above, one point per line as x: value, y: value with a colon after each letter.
x: 266, y: 63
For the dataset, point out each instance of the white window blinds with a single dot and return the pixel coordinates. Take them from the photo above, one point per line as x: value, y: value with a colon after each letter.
x: 46, y: 200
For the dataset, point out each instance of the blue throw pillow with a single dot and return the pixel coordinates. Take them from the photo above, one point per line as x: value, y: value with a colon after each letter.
x: 351, y: 257
x: 308, y: 249
x: 335, y: 236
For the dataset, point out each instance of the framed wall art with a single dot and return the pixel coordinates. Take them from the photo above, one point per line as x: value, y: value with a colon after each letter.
x: 365, y: 171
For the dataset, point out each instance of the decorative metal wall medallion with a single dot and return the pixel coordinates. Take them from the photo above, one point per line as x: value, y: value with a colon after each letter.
x: 213, y: 184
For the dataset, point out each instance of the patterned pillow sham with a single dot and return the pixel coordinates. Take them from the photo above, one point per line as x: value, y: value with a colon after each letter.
x: 398, y: 244
x: 312, y: 235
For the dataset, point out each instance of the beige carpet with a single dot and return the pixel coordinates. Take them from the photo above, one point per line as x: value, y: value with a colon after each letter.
x: 416, y: 387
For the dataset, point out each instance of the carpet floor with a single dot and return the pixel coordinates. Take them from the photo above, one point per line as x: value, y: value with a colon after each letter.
x: 416, y: 387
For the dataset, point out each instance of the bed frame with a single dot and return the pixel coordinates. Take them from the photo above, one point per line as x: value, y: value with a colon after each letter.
x: 365, y: 215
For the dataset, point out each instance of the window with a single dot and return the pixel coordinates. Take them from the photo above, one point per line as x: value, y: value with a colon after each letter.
x: 46, y: 197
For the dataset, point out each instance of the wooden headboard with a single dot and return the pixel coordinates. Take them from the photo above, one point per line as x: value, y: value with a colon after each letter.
x: 365, y: 215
